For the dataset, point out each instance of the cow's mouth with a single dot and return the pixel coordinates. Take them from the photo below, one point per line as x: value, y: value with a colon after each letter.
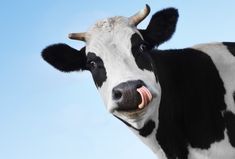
x: 144, y: 98
x: 145, y: 95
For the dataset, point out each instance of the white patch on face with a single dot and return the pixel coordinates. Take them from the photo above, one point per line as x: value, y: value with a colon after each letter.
x: 111, y: 41
x: 218, y: 150
x: 225, y: 64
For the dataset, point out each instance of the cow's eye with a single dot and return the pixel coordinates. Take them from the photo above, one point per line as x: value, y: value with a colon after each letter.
x: 92, y: 65
x: 143, y: 47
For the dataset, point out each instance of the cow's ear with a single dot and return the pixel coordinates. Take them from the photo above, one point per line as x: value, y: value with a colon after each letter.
x: 161, y: 27
x: 65, y: 58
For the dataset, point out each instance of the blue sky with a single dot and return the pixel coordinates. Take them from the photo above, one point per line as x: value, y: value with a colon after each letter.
x: 45, y: 114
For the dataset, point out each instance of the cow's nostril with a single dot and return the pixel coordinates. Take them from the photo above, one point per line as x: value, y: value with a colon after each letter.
x: 117, y: 94
x: 139, y: 84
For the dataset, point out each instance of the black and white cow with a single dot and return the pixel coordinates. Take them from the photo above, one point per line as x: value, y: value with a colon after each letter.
x: 179, y: 102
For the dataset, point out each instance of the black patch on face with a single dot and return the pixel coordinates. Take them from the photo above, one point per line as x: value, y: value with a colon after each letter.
x: 145, y: 131
x: 191, y: 103
x: 230, y: 46
x: 140, y: 50
x: 230, y: 125
x: 96, y: 66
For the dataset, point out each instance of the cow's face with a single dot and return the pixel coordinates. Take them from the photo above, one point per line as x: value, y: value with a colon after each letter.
x: 120, y: 64
x: 118, y: 56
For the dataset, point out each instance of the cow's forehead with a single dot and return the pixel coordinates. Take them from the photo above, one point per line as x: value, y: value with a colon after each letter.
x: 115, y: 31
x: 109, y: 24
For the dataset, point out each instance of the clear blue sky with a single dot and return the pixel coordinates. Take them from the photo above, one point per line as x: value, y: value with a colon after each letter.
x: 45, y: 114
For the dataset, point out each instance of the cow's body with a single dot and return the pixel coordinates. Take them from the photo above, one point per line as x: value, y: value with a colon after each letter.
x: 197, y: 103
x: 179, y: 102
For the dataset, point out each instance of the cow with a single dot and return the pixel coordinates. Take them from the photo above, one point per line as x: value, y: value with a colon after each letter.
x: 179, y: 102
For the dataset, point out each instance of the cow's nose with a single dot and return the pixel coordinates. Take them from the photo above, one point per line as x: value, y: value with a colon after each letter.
x: 126, y: 96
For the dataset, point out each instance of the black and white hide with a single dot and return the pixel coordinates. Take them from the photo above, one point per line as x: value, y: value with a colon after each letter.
x: 179, y: 102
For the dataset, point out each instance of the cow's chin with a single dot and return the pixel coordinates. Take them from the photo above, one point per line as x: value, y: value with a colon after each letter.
x: 132, y: 114
x: 138, y: 117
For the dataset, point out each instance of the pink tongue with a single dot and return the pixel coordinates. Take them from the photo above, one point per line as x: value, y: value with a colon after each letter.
x: 146, y: 96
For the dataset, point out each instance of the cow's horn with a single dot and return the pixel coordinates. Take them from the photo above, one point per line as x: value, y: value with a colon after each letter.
x: 78, y: 36
x: 139, y: 16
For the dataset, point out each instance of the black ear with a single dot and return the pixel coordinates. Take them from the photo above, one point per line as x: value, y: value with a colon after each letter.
x: 161, y: 27
x: 65, y: 58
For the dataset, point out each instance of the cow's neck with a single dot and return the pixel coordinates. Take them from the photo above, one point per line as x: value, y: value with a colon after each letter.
x: 147, y: 135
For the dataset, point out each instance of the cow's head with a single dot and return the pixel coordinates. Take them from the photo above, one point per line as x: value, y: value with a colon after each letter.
x: 118, y: 56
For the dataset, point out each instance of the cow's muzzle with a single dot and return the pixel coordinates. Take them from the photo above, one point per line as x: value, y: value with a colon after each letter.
x: 131, y: 96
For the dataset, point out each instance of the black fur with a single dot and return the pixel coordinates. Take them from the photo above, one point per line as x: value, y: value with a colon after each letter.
x: 64, y: 57
x: 191, y: 103
x: 147, y: 129
x: 140, y: 53
x: 230, y: 125
x: 161, y: 27
x: 99, y: 72
x: 230, y: 46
